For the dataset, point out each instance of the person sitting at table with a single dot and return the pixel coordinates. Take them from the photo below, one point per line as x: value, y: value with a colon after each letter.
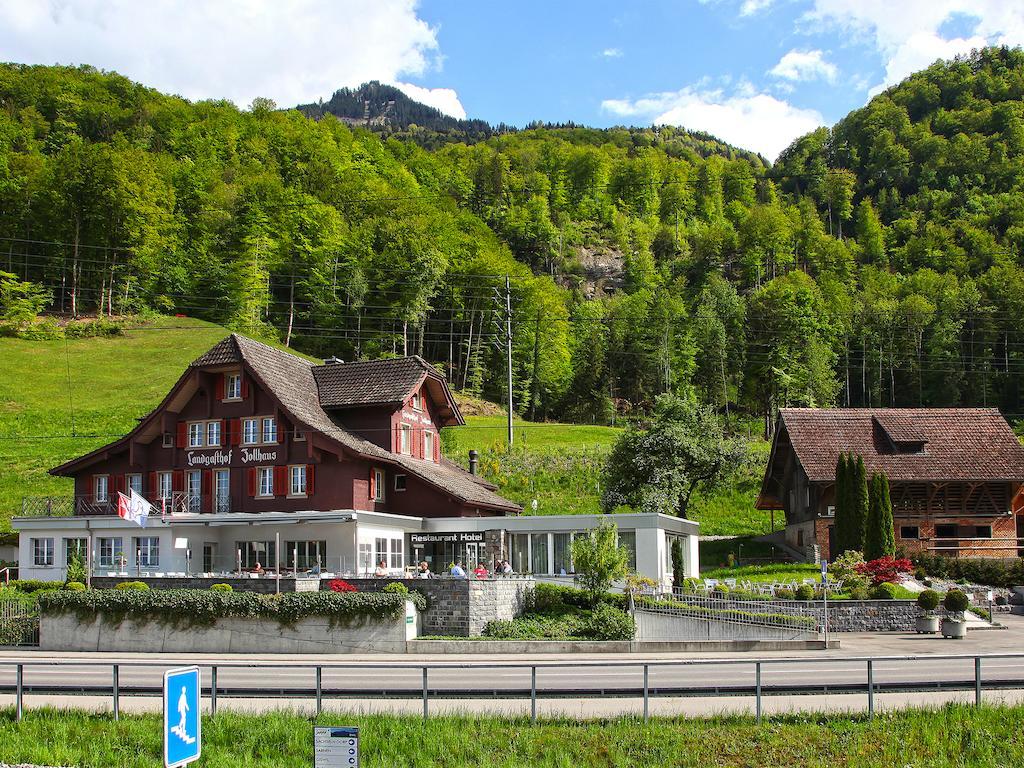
x: 258, y: 568
x: 423, y: 571
x: 382, y: 569
x: 481, y: 571
x: 458, y: 571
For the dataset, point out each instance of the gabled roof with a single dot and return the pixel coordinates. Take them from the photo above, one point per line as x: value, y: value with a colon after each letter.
x: 907, y: 444
x: 368, y: 382
x: 292, y: 381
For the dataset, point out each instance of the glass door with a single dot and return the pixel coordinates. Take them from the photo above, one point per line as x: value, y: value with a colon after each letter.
x: 221, y: 491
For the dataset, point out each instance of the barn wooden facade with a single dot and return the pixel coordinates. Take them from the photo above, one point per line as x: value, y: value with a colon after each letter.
x: 955, y: 476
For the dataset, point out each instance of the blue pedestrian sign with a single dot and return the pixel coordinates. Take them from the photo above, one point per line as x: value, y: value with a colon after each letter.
x: 182, y: 720
x: 824, y: 571
x: 335, y: 747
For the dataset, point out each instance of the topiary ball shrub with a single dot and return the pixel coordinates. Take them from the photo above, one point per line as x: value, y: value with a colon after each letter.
x: 928, y: 600
x: 396, y: 588
x: 221, y: 588
x: 133, y: 586
x: 75, y: 586
x: 956, y: 601
x: 883, y: 591
x: 920, y: 574
x: 804, y: 592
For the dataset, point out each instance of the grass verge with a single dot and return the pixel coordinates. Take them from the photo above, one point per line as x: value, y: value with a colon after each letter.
x: 951, y: 735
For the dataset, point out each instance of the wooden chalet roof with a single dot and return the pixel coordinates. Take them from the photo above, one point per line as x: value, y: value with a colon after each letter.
x: 907, y: 444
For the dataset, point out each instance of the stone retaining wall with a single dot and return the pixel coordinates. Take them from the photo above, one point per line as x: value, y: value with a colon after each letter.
x: 873, y: 615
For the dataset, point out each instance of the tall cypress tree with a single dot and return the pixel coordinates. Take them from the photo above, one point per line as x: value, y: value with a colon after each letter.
x: 842, y: 524
x: 872, y: 540
x: 886, y: 532
x: 859, y: 502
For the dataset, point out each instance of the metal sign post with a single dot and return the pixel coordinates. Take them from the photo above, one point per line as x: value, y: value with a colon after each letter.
x: 824, y: 596
x: 183, y: 722
x: 335, y: 747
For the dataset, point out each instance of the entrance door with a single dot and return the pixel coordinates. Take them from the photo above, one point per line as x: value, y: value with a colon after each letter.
x: 221, y: 491
x: 472, y: 555
x: 209, y: 556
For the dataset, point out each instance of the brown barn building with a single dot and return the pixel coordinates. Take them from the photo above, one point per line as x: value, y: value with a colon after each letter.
x: 955, y: 476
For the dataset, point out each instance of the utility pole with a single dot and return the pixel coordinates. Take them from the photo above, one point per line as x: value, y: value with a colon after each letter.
x: 508, y: 351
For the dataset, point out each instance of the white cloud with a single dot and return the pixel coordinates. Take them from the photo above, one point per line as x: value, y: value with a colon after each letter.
x: 444, y: 99
x: 292, y: 51
x: 746, y: 118
x: 804, y: 65
x: 750, y: 7
x: 908, y: 33
x: 612, y: 53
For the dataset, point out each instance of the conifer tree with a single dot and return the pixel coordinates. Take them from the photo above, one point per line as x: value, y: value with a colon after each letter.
x: 858, y: 490
x: 886, y: 531
x: 872, y: 534
x: 842, y: 525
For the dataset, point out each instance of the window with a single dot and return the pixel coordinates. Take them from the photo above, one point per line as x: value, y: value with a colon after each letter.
x: 397, y: 554
x: 269, y: 430
x: 521, y: 552
x: 147, y: 551
x: 910, y: 532
x: 168, y: 440
x: 378, y: 485
x: 42, y: 552
x: 539, y: 553
x: 248, y: 553
x: 195, y: 434
x: 222, y: 490
x: 303, y: 555
x: 406, y: 439
x: 627, y: 539
x: 233, y: 386
x: 111, y: 552
x: 428, y: 446
x: 195, y: 490
x: 163, y: 481
x: 213, y: 434
x: 563, y: 552
x: 300, y: 436
x: 101, y: 488
x: 946, y: 531
x: 266, y: 481
x: 297, y: 480
x: 380, y: 551
x: 417, y: 401
x: 400, y: 482
x: 983, y: 532
x: 71, y: 546
x: 135, y: 483
x: 250, y: 431
x: 365, y: 557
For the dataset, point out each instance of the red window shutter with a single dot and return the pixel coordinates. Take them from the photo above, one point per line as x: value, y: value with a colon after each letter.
x: 207, y: 490
x: 122, y: 483
x: 373, y: 484
x: 220, y: 386
x: 224, y: 431
x: 310, y: 474
x: 395, y: 438
x: 178, y: 480
x: 419, y: 443
x: 236, y: 431
x: 182, y: 434
x: 252, y: 481
x: 437, y: 448
x: 245, y: 388
x: 282, y: 431
x: 154, y: 487
x: 281, y: 481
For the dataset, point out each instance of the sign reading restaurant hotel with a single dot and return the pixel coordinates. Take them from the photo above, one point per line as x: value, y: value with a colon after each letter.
x: 220, y: 458
x: 441, y: 538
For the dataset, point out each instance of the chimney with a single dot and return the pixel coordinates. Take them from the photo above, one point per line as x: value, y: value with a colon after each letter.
x: 332, y: 360
x: 474, y: 462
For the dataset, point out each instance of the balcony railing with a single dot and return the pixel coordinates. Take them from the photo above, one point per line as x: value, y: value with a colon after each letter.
x: 87, y: 506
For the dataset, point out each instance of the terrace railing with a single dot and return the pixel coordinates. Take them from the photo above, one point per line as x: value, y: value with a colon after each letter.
x: 788, y: 614
x: 19, y: 622
x: 87, y: 505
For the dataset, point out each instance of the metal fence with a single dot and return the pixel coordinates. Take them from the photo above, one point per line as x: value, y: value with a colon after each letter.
x: 19, y: 622
x: 179, y: 502
x: 789, y: 614
x: 642, y: 688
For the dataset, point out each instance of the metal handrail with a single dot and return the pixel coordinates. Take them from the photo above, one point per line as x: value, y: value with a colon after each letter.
x: 20, y: 664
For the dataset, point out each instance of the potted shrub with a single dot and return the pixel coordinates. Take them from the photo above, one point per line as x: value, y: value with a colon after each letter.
x: 928, y: 622
x: 953, y: 625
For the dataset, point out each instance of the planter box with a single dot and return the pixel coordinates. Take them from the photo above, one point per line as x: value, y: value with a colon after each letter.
x: 231, y: 635
x: 927, y: 625
x: 954, y: 629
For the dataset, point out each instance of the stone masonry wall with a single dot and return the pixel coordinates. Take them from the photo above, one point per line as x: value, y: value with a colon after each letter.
x: 873, y: 616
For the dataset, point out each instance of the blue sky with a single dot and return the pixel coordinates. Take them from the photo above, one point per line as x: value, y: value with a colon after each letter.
x: 757, y: 73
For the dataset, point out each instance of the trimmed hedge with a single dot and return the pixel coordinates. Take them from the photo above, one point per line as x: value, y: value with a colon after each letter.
x: 603, y: 623
x: 552, y: 597
x: 34, y: 585
x: 201, y: 607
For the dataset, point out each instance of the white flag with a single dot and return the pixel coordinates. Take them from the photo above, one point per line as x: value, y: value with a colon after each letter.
x: 133, y: 508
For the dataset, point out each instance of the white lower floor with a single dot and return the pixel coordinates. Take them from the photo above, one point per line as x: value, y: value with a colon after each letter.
x: 341, y: 543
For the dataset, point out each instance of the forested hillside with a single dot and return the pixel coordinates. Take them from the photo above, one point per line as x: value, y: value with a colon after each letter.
x: 877, y: 263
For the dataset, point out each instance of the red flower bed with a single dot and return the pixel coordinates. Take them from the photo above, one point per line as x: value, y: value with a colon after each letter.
x: 885, y: 569
x: 340, y: 585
